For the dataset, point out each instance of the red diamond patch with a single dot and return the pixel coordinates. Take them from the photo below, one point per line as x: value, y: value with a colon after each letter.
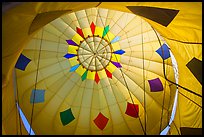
x: 92, y: 26
x: 97, y: 79
x: 132, y: 110
x: 101, y: 121
x: 108, y: 73
x: 80, y: 32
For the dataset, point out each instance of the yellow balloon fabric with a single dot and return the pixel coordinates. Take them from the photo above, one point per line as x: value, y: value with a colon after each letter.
x: 97, y: 68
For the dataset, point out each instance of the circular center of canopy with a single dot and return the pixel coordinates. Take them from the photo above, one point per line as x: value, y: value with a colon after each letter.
x: 94, y: 53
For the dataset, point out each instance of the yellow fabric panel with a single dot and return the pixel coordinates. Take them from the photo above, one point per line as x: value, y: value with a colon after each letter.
x: 149, y: 65
x: 72, y: 49
x: 183, y: 58
x: 109, y: 36
x: 190, y: 114
x: 115, y: 57
x: 48, y: 36
x: 73, y: 61
x: 135, y: 83
x: 10, y: 119
x: 98, y: 31
x: 102, y: 74
x: 77, y: 38
x: 10, y: 127
x: 91, y: 14
x: 151, y: 107
x: 120, y: 6
x: 192, y: 37
x: 59, y: 106
x: 70, y: 19
x: 177, y: 5
x: 86, y: 32
x: 120, y: 93
x: 111, y: 67
x: 39, y: 21
x: 81, y: 18
x: 52, y: 29
x: 91, y: 75
x: 80, y: 70
x: 115, y: 46
x: 22, y: 25
x: 184, y: 21
x: 82, y: 127
x: 131, y: 84
x: 84, y: 115
x: 149, y: 52
x: 173, y: 130
x: 180, y: 25
x: 185, y: 27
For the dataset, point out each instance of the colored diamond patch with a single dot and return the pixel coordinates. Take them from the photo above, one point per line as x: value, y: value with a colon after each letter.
x: 155, y: 85
x: 132, y: 110
x: 66, y: 116
x: 101, y: 121
x: 22, y: 62
x: 163, y: 51
x: 39, y: 96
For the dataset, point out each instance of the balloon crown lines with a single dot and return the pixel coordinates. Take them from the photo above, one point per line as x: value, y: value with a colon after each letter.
x: 94, y: 53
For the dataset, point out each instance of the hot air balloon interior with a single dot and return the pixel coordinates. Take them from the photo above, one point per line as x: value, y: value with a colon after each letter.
x: 102, y: 68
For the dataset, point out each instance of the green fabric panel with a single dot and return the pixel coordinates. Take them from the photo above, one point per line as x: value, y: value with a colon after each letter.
x: 83, y: 77
x: 66, y: 116
x: 105, y: 31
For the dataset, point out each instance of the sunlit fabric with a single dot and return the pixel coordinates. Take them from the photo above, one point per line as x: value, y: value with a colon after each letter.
x: 93, y: 73
x: 102, y: 68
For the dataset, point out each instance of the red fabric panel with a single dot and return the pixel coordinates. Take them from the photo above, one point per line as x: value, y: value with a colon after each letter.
x: 97, y: 79
x: 108, y: 73
x: 130, y: 110
x: 92, y: 26
x: 79, y: 31
x: 101, y: 121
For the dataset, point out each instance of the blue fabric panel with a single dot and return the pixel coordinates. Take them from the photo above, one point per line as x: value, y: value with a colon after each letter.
x: 22, y: 62
x: 39, y: 96
x: 163, y: 51
x: 119, y: 52
x: 73, y: 68
x: 117, y: 38
x: 69, y: 55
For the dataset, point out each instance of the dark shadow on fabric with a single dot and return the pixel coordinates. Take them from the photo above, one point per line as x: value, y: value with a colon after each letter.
x: 190, y: 131
x: 159, y: 15
x: 195, y: 66
x: 44, y: 18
